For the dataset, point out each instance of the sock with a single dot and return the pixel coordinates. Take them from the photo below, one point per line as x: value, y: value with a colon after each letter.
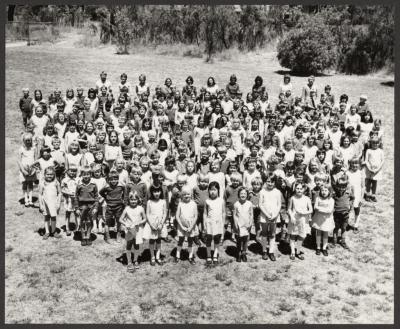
x: 26, y: 197
x: 324, y: 240
x: 191, y: 252
x: 158, y: 253
x: 215, y: 251
x: 30, y: 195
x: 178, y: 253
x: 271, y: 246
x: 318, y: 238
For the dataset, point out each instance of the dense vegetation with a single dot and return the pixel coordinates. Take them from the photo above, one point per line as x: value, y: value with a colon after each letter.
x: 348, y: 38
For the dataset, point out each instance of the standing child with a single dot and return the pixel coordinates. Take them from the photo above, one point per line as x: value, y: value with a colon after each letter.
x: 243, y: 220
x: 270, y: 206
x: 200, y: 195
x: 155, y: 229
x: 50, y: 202
x: 25, y: 105
x: 132, y: 219
x: 68, y: 189
x: 186, y: 217
x: 299, y: 210
x: 357, y: 181
x: 322, y: 220
x: 215, y: 175
x: 86, y: 204
x: 374, y: 159
x: 112, y: 150
x: 231, y: 196
x: 214, y: 214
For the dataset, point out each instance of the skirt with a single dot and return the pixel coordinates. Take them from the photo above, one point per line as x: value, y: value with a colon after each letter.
x: 373, y: 176
x: 299, y: 226
x: 323, y: 223
x: 68, y: 203
x: 194, y: 232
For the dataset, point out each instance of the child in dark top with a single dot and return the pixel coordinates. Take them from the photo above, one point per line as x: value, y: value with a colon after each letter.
x: 86, y: 204
x: 25, y: 105
x: 114, y: 196
x: 283, y: 187
x: 204, y: 165
x: 136, y: 185
x: 254, y: 198
x: 126, y: 146
x: 231, y: 196
x: 200, y: 195
x: 343, y: 195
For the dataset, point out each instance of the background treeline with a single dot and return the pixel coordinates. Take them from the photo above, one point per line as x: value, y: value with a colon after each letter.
x: 310, y: 39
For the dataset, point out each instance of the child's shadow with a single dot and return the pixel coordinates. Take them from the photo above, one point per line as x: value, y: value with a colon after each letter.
x: 42, y: 231
x: 255, y: 248
x: 284, y: 248
x: 202, y: 253
x: 231, y: 251
x: 184, y: 254
x: 34, y: 200
x: 78, y: 236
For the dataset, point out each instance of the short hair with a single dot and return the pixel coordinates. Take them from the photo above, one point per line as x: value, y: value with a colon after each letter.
x: 256, y: 179
x: 214, y: 185
x: 169, y: 160
x: 270, y: 176
x: 156, y: 188
x: 242, y: 188
x: 113, y: 174
x: 237, y: 176
x: 321, y: 176
x: 86, y: 169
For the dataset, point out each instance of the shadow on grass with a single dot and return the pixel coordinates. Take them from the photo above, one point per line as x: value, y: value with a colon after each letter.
x: 389, y: 83
x: 22, y: 201
x: 302, y: 75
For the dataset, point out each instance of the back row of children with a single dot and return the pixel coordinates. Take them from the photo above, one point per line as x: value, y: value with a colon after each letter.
x: 296, y: 163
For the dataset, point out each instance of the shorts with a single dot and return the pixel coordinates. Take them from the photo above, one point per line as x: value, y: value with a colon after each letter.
x: 134, y: 236
x: 341, y: 220
x: 113, y: 214
x: 68, y: 203
x: 87, y: 212
x: 284, y: 216
x: 268, y: 229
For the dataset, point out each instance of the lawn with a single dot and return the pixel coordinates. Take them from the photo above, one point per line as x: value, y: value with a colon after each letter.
x: 58, y: 281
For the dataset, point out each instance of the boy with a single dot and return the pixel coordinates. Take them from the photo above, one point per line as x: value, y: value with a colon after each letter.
x: 137, y: 185
x: 25, y: 106
x: 231, y: 196
x: 86, y: 204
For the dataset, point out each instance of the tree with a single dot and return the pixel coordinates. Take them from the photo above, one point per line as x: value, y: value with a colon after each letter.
x: 123, y: 29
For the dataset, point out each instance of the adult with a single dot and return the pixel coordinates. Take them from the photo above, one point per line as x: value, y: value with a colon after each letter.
x: 258, y: 89
x: 232, y: 88
x: 167, y: 89
x: 103, y: 82
x: 308, y: 88
x: 212, y: 86
x: 286, y: 84
x: 189, y: 90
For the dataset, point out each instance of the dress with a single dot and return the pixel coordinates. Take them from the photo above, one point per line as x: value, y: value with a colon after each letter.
x: 68, y: 187
x: 323, y: 221
x: 27, y: 159
x: 243, y: 214
x: 356, y: 179
x: 298, y: 225
x: 134, y: 231
x: 213, y: 221
x: 156, y: 213
x: 187, y: 219
x: 374, y: 158
x: 50, y: 198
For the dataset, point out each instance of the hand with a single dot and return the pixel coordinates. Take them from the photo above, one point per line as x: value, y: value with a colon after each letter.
x: 94, y: 212
x: 77, y: 212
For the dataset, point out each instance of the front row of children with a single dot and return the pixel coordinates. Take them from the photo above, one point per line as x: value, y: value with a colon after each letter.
x: 203, y: 211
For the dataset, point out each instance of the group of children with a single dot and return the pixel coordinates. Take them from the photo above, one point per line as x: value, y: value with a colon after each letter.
x: 201, y: 165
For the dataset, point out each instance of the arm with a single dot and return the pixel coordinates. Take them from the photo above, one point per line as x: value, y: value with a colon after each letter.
x: 41, y: 205
x: 235, y: 216
x: 122, y: 219
x: 59, y: 194
x: 278, y: 205
x: 149, y: 219
x: 178, y: 216
x: 264, y: 209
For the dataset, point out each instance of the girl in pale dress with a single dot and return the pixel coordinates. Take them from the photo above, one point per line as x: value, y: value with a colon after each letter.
x: 186, y: 217
x: 132, y: 220
x: 155, y: 229
x: 243, y: 220
x: 374, y: 159
x: 215, y: 175
x: 50, y: 202
x: 299, y: 211
x: 27, y: 174
x: 237, y: 134
x: 322, y: 219
x: 346, y: 149
x: 357, y: 180
x: 214, y: 218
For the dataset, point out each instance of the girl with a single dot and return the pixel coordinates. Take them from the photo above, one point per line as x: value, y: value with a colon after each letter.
x: 366, y: 125
x: 68, y: 189
x: 322, y: 219
x: 132, y: 220
x: 346, y: 150
x: 39, y: 120
x: 214, y: 214
x: 299, y: 211
x: 310, y: 149
x: 112, y: 150
x: 69, y: 101
x: 288, y: 150
x: 270, y: 206
x: 212, y: 86
x: 191, y: 176
x: 215, y: 175
x: 50, y: 202
x: 186, y: 217
x: 73, y: 156
x: 27, y: 174
x: 357, y: 181
x: 250, y: 173
x: 155, y: 229
x: 44, y: 161
x: 138, y: 150
x: 243, y: 220
x: 163, y: 150
x: 101, y: 141
x: 329, y: 153
x: 146, y: 128
x: 374, y: 159
x: 237, y: 134
x: 71, y: 135
x: 60, y: 124
x: 142, y: 87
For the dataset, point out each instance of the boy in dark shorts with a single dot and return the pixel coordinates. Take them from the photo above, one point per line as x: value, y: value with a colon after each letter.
x: 25, y: 106
x: 114, y: 196
x: 86, y: 198
x: 343, y: 195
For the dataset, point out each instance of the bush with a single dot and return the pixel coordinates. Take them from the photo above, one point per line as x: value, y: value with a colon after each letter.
x: 309, y: 48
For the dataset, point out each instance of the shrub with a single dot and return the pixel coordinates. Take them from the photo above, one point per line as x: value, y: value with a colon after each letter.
x: 309, y: 48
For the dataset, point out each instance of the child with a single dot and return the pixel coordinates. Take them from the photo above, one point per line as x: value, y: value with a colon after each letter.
x: 243, y: 220
x: 132, y: 219
x: 250, y: 173
x: 86, y: 204
x: 299, y: 211
x: 186, y: 217
x: 25, y: 106
x: 119, y: 167
x: 270, y: 206
x: 343, y: 195
x: 200, y: 195
x: 68, y: 189
x: 27, y: 172
x: 112, y: 150
x: 374, y: 159
x: 50, y: 202
x: 215, y: 175
x: 114, y: 196
x: 322, y: 220
x: 155, y: 229
x: 254, y: 198
x: 231, y: 196
x: 357, y: 181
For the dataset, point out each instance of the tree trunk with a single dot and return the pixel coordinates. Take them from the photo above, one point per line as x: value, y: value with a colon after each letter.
x: 10, y: 12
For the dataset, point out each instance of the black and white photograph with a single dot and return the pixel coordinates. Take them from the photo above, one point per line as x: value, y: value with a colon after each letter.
x: 199, y: 164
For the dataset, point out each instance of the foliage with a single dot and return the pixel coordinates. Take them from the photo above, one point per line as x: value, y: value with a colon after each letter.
x: 123, y: 29
x: 309, y: 48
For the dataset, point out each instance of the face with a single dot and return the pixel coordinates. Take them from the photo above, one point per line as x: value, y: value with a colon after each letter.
x: 133, y: 202
x: 324, y: 192
x: 135, y: 175
x: 313, y: 168
x: 119, y: 164
x: 203, y: 183
x: 49, y: 176
x: 113, y: 137
x: 354, y: 166
x: 213, y: 192
x: 39, y: 112
x: 113, y: 181
x: 72, y: 173
x: 256, y: 186
x: 346, y: 142
x: 252, y: 166
x: 299, y: 189
x: 97, y: 173
x: 86, y: 177
x: 269, y: 184
x: 99, y: 156
x: 243, y: 195
x: 157, y: 194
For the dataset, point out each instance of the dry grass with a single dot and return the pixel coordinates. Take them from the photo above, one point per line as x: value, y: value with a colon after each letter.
x: 61, y: 282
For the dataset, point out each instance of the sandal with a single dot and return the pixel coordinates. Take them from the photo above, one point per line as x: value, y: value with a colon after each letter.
x: 215, y: 260
x: 192, y: 261
x: 300, y: 256
x: 159, y: 261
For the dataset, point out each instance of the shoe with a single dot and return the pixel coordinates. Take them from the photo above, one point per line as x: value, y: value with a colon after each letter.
x: 68, y: 233
x: 367, y: 197
x: 355, y: 230
x: 373, y: 198
x: 344, y: 245
x: 88, y: 242
x: 57, y: 235
x: 238, y: 258
x: 46, y: 236
x: 152, y: 262
x: 325, y: 252
x: 209, y: 261
x: 334, y: 241
x: 159, y: 262
x: 265, y: 255
x: 83, y: 242
x: 192, y: 261
x: 318, y: 252
x: 272, y: 257
x: 136, y: 265
x: 130, y: 268
x: 244, y: 258
x: 215, y: 260
x: 300, y: 256
x: 292, y: 257
x: 177, y: 260
x: 107, y: 238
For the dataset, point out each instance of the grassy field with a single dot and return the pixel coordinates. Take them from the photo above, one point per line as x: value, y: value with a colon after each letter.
x: 58, y: 281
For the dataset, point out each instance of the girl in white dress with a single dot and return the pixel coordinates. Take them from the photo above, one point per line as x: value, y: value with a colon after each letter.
x: 357, y: 180
x: 214, y: 219
x: 215, y: 175
x: 374, y: 159
x: 186, y: 217
x: 299, y: 211
x: 132, y: 219
x: 50, y: 202
x: 155, y: 229
x: 322, y: 219
x: 243, y: 219
x: 198, y: 132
